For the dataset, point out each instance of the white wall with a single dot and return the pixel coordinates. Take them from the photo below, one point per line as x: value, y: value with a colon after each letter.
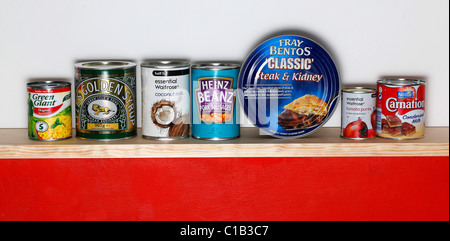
x: 368, y: 39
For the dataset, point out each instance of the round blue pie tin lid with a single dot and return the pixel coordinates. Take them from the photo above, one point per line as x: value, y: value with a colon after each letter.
x: 289, y: 86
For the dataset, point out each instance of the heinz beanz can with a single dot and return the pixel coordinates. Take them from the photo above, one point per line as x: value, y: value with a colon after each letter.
x: 165, y: 99
x: 215, y: 114
x: 49, y: 110
x: 105, y: 100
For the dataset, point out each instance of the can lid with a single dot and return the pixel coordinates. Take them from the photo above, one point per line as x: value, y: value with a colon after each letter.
x: 105, y: 65
x: 359, y: 90
x: 166, y: 63
x: 272, y: 104
x: 216, y: 65
x: 48, y: 84
x: 402, y: 82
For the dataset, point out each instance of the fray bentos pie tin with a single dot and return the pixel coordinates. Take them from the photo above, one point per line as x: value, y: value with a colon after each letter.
x: 289, y: 86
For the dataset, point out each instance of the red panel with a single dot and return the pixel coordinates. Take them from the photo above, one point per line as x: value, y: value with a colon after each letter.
x: 226, y: 189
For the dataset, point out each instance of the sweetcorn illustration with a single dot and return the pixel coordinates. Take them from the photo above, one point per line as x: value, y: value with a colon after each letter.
x: 59, y: 127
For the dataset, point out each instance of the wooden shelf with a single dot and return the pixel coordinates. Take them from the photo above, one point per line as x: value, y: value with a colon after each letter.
x: 324, y: 143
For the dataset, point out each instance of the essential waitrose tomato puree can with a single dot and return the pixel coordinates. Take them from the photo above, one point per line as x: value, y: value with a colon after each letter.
x: 215, y: 115
x: 358, y: 113
x: 105, y: 100
x: 401, y: 108
x: 49, y: 110
x: 165, y: 99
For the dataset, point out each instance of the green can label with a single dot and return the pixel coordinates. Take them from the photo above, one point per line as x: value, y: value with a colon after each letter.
x: 106, y: 106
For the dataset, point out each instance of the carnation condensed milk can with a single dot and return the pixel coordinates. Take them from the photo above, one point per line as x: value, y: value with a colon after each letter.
x: 215, y: 113
x: 165, y: 99
x: 401, y: 108
x: 105, y: 100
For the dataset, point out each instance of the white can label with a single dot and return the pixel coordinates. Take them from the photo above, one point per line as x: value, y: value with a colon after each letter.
x: 165, y: 102
x: 358, y: 115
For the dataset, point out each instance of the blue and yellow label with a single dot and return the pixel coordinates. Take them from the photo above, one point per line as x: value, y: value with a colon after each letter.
x: 289, y: 86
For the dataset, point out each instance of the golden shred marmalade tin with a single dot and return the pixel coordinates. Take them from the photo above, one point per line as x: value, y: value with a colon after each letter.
x: 49, y: 110
x: 105, y: 100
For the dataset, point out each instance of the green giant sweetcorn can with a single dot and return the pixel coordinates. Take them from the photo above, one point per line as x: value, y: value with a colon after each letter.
x: 49, y: 110
x: 105, y: 100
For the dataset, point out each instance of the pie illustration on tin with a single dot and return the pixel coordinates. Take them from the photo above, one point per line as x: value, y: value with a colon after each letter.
x: 304, y: 112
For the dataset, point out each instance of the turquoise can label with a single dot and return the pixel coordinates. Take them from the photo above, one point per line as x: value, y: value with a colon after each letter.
x: 215, y: 114
x: 215, y: 99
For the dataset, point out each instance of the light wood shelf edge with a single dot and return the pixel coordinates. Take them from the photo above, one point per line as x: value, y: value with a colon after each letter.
x: 325, y: 143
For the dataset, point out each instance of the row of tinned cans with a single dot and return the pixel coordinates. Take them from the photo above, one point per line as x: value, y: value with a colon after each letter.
x: 175, y: 97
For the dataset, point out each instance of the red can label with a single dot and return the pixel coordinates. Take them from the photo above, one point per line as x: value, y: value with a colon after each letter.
x: 401, y: 111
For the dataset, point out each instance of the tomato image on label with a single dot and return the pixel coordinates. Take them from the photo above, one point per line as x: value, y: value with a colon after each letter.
x: 373, y: 119
x: 357, y: 129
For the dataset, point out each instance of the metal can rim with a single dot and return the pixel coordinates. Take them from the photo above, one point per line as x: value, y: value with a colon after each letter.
x: 402, y: 82
x: 105, y: 65
x: 49, y: 84
x: 213, y: 65
x: 166, y: 63
x: 359, y: 90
